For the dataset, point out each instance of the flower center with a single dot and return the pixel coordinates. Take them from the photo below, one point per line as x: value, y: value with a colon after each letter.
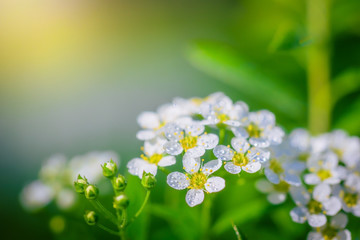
x: 223, y: 117
x: 253, y: 130
x: 275, y: 165
x: 303, y: 157
x: 350, y: 199
x: 188, y: 142
x: 198, y: 180
x: 154, y: 159
x: 329, y: 232
x: 314, y: 207
x: 239, y: 159
x: 324, y: 174
x: 282, y: 187
x: 338, y: 152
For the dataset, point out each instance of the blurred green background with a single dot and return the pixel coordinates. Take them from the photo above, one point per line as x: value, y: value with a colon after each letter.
x: 74, y: 74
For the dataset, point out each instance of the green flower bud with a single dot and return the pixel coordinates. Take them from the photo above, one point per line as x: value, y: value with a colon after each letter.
x: 80, y: 184
x: 91, y: 217
x: 148, y: 181
x: 120, y: 183
x: 109, y: 169
x: 91, y: 192
x: 121, y: 201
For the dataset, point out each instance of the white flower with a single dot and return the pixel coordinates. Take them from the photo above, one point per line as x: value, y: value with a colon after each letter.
x: 350, y: 199
x: 324, y: 168
x: 36, y: 195
x: 150, y: 124
x: 153, y: 156
x: 279, y: 169
x: 219, y: 109
x: 277, y: 193
x: 189, y: 137
x: 260, y: 129
x: 314, y: 209
x: 196, y: 179
x: 333, y: 230
x: 242, y: 158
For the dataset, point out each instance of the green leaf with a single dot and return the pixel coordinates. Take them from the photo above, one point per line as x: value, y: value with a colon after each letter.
x: 349, y: 121
x: 244, y: 213
x: 346, y: 83
x: 224, y: 63
x: 286, y: 38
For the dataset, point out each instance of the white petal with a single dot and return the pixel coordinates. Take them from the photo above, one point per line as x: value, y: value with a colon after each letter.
x: 344, y: 235
x: 332, y: 206
x: 264, y: 186
x: 149, y: 120
x: 194, y: 197
x: 65, y: 198
x: 271, y: 176
x: 149, y: 168
x: 259, y: 142
x: 262, y: 118
x: 135, y: 166
x: 208, y: 141
x: 223, y: 153
x: 195, y: 129
x: 316, y: 220
x: 298, y: 214
x: 339, y: 221
x: 321, y: 192
x: 195, y: 152
x: 215, y: 184
x: 191, y: 165
x: 232, y: 123
x: 276, y: 198
x: 258, y: 154
x: 145, y: 135
x: 275, y: 135
x: 240, y: 132
x: 292, y: 179
x: 294, y: 166
x: 173, y: 148
x: 177, y: 180
x: 154, y: 146
x: 232, y: 168
x: 311, y: 179
x: 212, y: 166
x: 300, y: 195
x: 173, y: 132
x: 167, y: 161
x: 314, y: 236
x: 240, y: 144
x: 252, y: 167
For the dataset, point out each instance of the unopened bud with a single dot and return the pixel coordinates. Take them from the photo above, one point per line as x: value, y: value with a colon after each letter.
x: 120, y: 183
x: 109, y: 169
x: 91, y: 217
x: 91, y: 192
x: 148, y: 180
x: 121, y: 201
x: 80, y: 184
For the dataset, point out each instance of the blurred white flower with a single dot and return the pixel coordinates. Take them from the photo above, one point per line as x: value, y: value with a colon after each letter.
x: 277, y: 193
x: 333, y: 230
x: 314, y: 207
x: 36, y: 195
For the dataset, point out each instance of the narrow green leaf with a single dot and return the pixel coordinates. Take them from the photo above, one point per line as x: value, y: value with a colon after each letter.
x: 345, y: 83
x: 251, y: 210
x: 225, y: 64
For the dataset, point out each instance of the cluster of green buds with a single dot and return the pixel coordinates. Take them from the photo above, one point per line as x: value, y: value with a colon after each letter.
x: 120, y: 200
x: 82, y: 186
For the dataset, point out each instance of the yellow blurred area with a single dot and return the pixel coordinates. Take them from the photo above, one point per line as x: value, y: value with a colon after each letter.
x: 42, y: 36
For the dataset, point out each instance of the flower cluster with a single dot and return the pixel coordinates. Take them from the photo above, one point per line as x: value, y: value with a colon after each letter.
x: 56, y: 178
x: 204, y: 134
x: 322, y: 176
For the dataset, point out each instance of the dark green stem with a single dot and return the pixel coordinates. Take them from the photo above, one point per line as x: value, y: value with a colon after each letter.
x: 141, y: 208
x: 107, y: 229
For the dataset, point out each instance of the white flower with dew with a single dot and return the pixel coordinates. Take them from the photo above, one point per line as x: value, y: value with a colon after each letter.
x: 335, y: 230
x: 196, y: 179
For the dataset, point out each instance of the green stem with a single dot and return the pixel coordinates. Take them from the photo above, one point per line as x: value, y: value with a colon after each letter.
x: 206, y: 217
x: 141, y: 208
x: 236, y: 230
x: 318, y: 66
x: 164, y: 170
x: 221, y: 135
x: 104, y: 211
x: 107, y: 229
